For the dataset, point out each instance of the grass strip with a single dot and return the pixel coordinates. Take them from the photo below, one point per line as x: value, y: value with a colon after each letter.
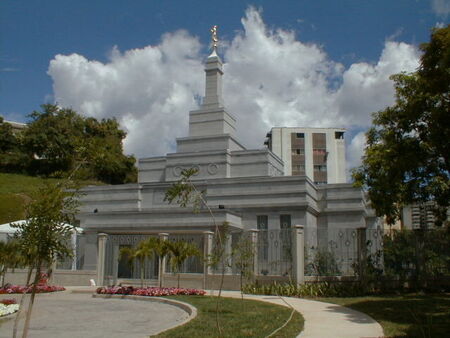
x: 238, y: 318
x: 412, y: 315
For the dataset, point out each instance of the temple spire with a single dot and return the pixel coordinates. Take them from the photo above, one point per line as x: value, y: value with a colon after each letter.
x: 214, y: 72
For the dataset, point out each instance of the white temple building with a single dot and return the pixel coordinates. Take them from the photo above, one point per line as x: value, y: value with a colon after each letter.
x: 247, y: 188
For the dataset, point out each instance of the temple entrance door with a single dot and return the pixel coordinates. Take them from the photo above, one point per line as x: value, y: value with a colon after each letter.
x: 119, y: 267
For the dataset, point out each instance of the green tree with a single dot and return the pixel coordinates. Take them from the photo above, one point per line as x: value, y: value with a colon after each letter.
x: 12, y: 158
x: 143, y: 251
x: 10, y: 258
x: 58, y: 140
x: 162, y: 250
x: 407, y: 154
x: 179, y: 251
x: 243, y: 257
x: 45, y: 234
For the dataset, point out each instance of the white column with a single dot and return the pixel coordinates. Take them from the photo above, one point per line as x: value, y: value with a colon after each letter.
x: 73, y: 240
x: 162, y: 261
x: 207, y: 251
x: 254, y: 240
x: 101, y: 251
x: 298, y: 253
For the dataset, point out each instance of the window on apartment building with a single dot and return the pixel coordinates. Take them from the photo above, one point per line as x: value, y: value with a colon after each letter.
x: 339, y: 135
x: 300, y: 135
x: 298, y: 151
x: 320, y: 167
x: 298, y: 167
x: 319, y: 151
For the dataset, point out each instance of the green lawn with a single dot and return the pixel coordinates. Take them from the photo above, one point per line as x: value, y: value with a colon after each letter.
x: 413, y: 315
x: 238, y: 318
x: 16, y: 191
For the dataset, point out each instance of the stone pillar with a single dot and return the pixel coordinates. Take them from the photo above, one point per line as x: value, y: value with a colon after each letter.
x: 53, y: 271
x: 298, y: 254
x: 362, y: 252
x: 101, y: 252
x: 207, y: 251
x: 163, y: 236
x: 254, y: 240
x: 73, y: 241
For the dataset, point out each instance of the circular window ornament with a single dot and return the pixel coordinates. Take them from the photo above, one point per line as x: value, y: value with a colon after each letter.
x: 213, y: 169
x: 196, y: 167
x: 177, y: 171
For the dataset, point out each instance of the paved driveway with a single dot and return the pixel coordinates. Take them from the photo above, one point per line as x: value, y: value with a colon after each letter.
x: 68, y: 315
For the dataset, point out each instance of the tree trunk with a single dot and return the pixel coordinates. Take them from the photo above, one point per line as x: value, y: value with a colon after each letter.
x: 22, y: 300
x: 240, y: 282
x: 142, y: 273
x: 26, y: 326
x: 178, y: 279
x: 2, y: 275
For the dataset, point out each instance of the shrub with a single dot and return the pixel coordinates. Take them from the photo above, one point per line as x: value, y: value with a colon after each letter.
x: 316, y: 289
x: 8, y: 289
x: 148, y: 291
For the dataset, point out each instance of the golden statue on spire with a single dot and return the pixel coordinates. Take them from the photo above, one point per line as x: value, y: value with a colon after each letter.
x: 214, y: 37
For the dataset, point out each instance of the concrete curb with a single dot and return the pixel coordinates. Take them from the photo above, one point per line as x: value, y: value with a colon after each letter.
x: 188, y: 308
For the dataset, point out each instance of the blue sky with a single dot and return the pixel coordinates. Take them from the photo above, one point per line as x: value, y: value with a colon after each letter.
x: 347, y: 36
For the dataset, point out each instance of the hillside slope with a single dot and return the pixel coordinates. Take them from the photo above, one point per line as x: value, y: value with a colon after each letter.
x: 16, y: 191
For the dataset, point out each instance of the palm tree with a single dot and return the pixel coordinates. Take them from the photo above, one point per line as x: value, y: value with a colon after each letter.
x: 179, y: 251
x: 162, y: 249
x: 144, y: 250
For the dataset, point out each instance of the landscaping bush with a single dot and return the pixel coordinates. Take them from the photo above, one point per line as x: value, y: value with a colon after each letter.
x: 8, y: 289
x: 8, y: 306
x: 8, y: 301
x: 316, y: 289
x: 148, y: 291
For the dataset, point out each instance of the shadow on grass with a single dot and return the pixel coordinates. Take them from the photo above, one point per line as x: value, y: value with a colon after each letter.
x: 400, y: 316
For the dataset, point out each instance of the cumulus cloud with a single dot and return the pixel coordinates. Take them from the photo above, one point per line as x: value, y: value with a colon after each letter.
x: 271, y: 79
x: 355, y: 151
x: 148, y: 90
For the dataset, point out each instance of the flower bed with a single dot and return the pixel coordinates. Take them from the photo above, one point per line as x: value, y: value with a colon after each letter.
x: 8, y: 289
x: 149, y: 291
x: 8, y: 306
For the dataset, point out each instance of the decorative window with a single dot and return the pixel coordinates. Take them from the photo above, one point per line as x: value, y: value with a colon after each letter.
x: 285, y: 221
x: 261, y: 222
x: 263, y: 236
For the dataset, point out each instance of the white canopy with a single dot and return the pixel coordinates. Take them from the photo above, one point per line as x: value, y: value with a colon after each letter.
x: 8, y: 229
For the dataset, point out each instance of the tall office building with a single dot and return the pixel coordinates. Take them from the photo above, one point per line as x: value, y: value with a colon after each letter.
x: 318, y: 153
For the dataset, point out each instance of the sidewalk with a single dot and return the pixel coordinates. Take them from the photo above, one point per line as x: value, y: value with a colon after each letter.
x: 322, y: 320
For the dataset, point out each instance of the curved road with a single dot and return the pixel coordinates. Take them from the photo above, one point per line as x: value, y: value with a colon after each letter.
x: 68, y: 315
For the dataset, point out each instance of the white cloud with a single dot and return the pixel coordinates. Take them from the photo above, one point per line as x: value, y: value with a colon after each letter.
x: 441, y: 7
x: 149, y: 90
x: 355, y: 151
x: 271, y: 79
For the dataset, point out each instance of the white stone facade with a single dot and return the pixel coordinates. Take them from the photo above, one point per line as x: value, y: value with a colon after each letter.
x: 239, y: 186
